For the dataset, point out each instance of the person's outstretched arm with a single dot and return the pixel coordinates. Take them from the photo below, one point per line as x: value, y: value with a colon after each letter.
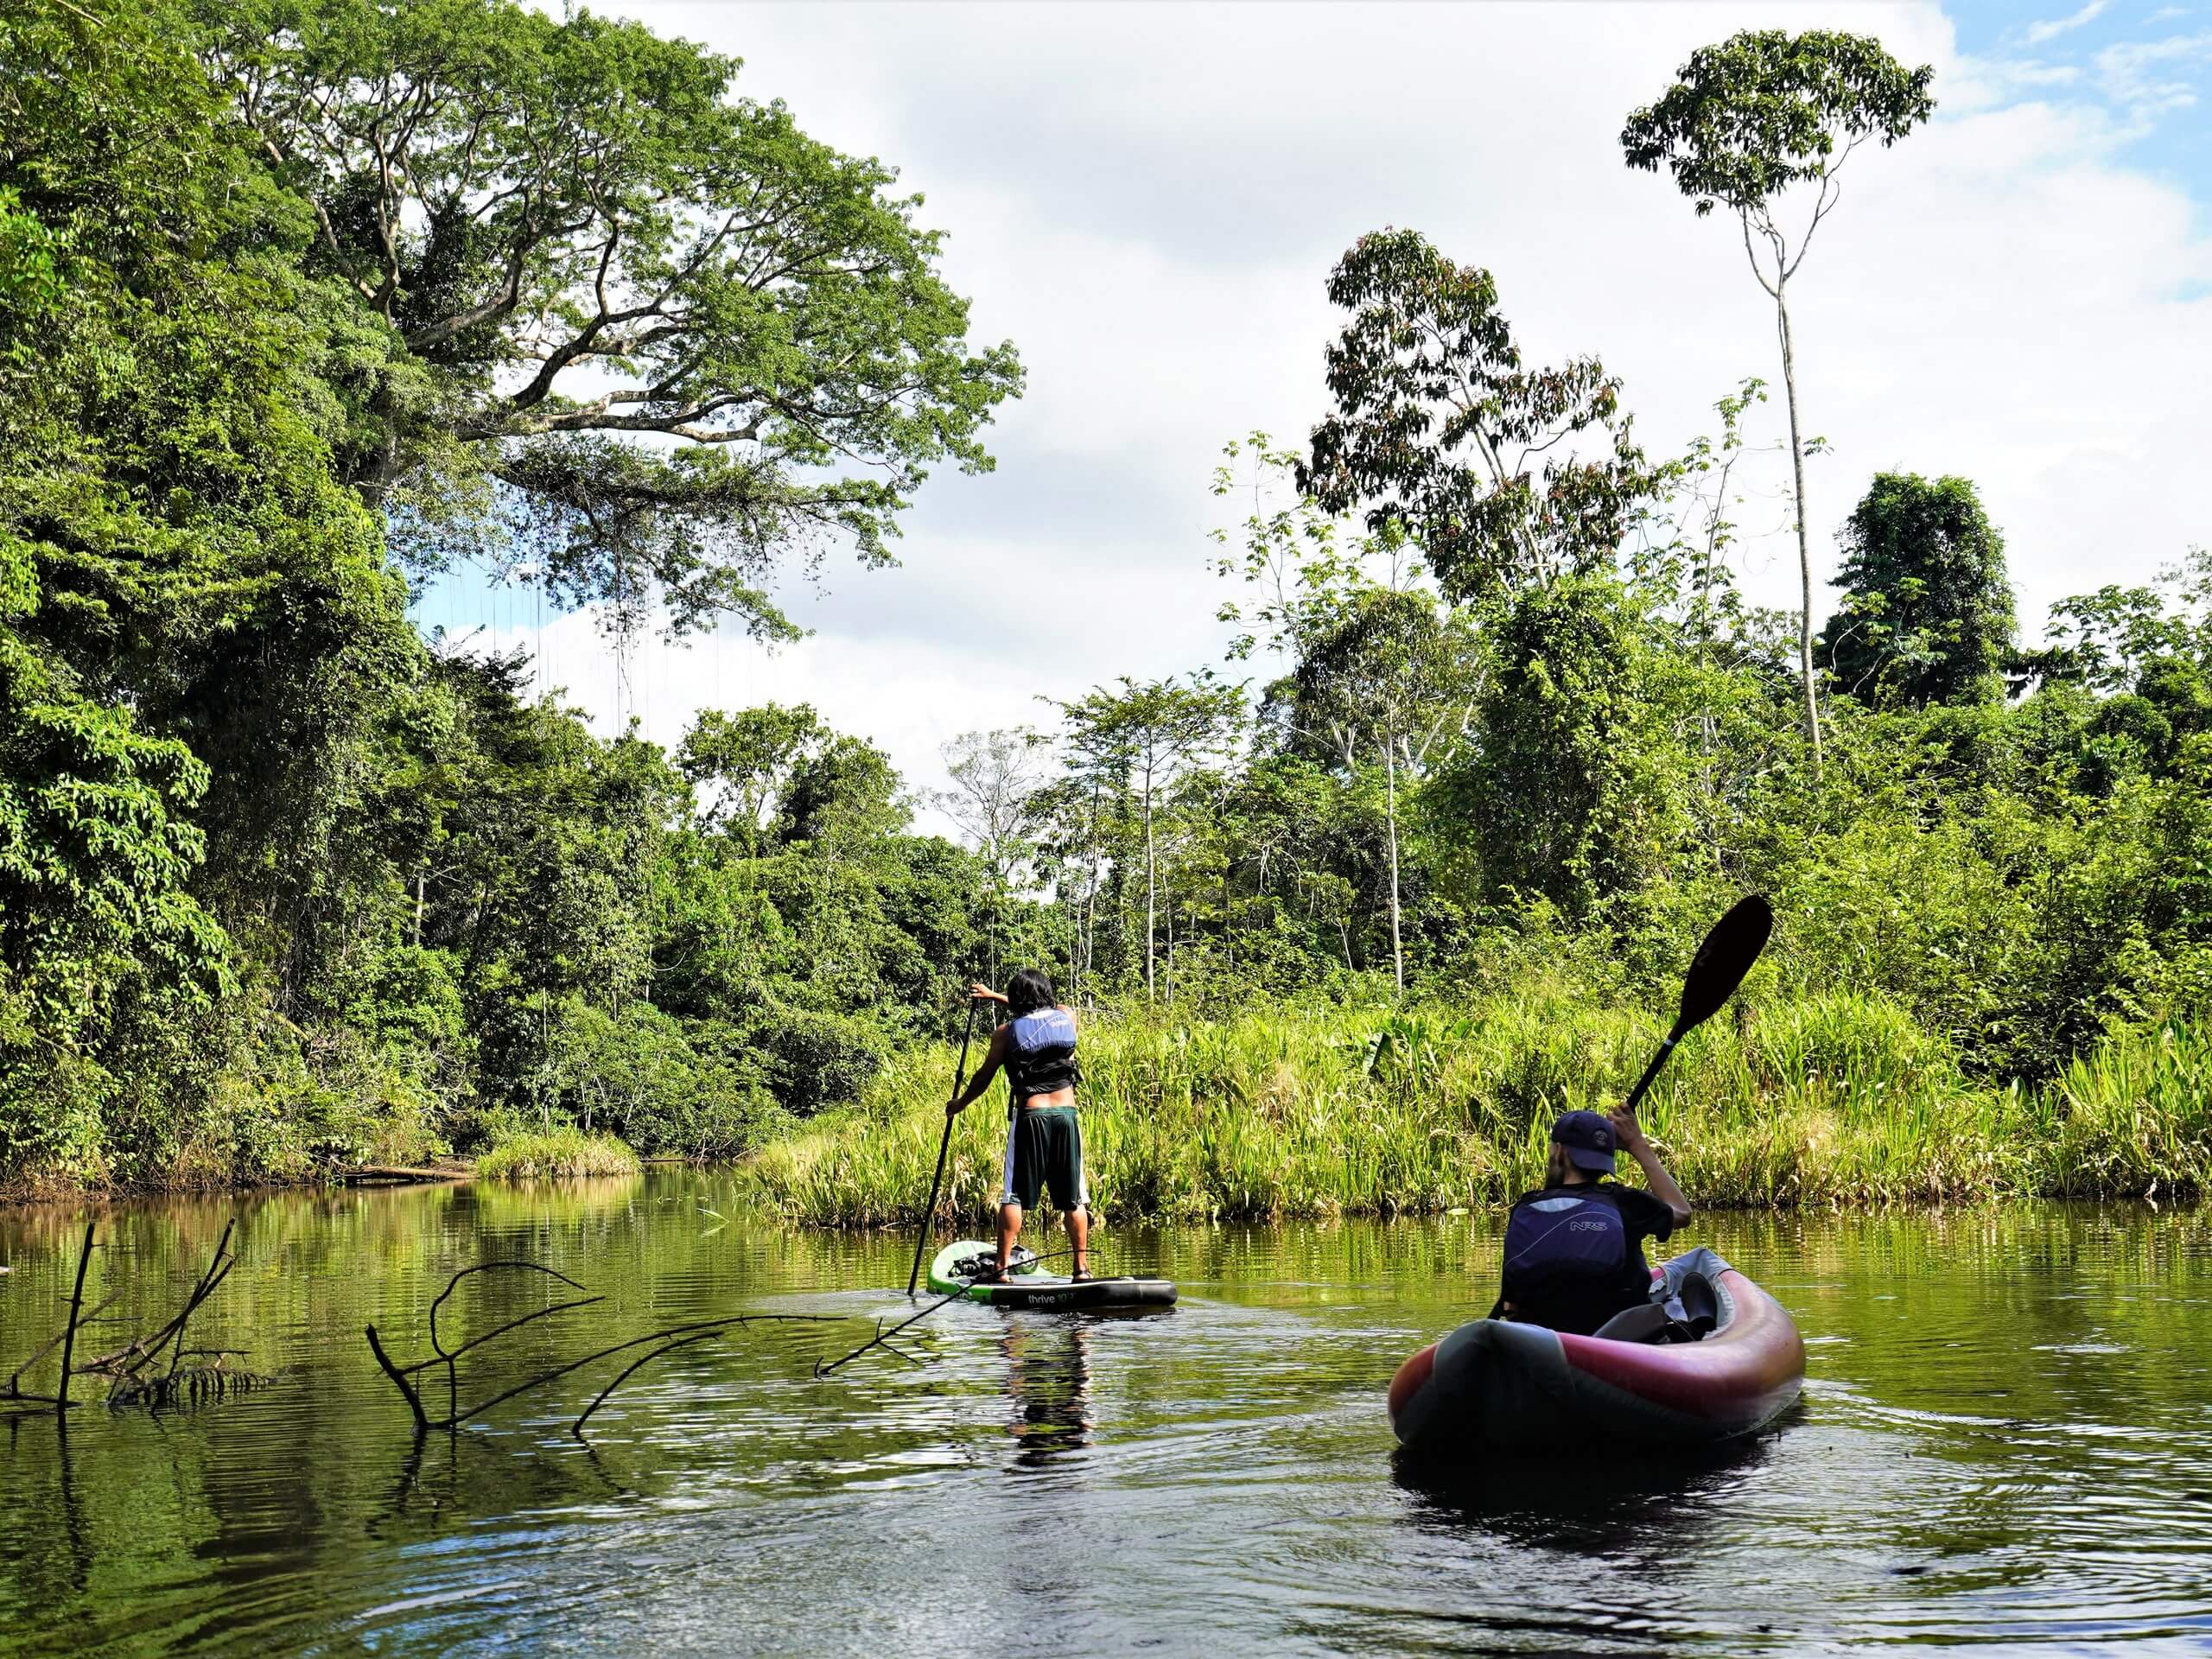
x: 1631, y: 1135
x: 994, y: 1058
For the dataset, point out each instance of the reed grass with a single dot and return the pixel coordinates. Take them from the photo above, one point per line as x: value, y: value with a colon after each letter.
x: 1816, y: 1101
x: 567, y: 1151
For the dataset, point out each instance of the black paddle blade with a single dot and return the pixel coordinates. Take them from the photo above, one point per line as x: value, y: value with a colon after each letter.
x: 1722, y: 961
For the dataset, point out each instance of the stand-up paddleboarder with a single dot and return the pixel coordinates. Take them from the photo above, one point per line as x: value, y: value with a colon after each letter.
x: 1043, y: 1142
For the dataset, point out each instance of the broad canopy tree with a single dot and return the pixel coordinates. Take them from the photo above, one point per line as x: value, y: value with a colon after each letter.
x: 1442, y: 429
x: 646, y: 333
x: 996, y: 777
x: 1142, y: 739
x: 1744, y: 124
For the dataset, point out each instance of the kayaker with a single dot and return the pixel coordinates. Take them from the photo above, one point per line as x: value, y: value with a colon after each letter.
x: 1574, y: 1250
x: 1044, y: 1143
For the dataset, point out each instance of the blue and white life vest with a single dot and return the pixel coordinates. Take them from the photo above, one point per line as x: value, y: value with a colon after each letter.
x: 1040, y: 1054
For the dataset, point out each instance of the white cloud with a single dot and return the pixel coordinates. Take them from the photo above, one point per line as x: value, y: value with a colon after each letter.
x: 2140, y: 74
x: 1148, y: 201
x: 2052, y: 28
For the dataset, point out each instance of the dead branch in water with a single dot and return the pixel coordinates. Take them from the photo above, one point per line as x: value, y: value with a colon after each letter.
x: 399, y: 1175
x: 76, y: 1307
x: 671, y: 1338
x: 178, y: 1384
x: 15, y: 1402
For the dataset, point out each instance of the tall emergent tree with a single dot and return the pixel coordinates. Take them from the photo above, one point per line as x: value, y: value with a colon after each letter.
x: 1438, y: 428
x: 1745, y: 122
x: 1928, y: 613
x: 648, y: 326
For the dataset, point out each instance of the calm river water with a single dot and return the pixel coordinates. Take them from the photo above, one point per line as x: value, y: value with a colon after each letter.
x: 2006, y: 1441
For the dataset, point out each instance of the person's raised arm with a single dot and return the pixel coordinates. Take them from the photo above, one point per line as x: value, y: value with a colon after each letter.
x: 985, y: 994
x: 1630, y: 1133
x: 994, y: 1058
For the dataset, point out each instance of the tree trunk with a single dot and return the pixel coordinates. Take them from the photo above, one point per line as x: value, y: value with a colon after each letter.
x: 1090, y: 898
x: 1170, y: 908
x: 1804, y: 541
x: 991, y: 940
x: 1151, y: 905
x: 1390, y: 821
x: 1228, y: 931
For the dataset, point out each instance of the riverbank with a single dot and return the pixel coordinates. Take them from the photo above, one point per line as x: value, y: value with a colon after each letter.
x: 566, y: 1152
x: 1823, y: 1101
x: 1319, y: 1111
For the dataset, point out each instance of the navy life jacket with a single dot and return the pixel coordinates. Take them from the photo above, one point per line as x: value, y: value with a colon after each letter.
x: 1568, y: 1259
x: 1040, y: 1054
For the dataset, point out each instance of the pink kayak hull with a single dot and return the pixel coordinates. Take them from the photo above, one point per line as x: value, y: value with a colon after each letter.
x: 1496, y: 1387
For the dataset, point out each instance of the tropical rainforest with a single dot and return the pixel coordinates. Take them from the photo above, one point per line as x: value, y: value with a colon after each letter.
x: 306, y: 302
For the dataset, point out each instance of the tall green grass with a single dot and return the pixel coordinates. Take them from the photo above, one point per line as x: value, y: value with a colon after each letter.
x: 1821, y: 1101
x: 565, y: 1151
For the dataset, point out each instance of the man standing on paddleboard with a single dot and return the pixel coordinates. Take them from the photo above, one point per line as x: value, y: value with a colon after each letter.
x: 1043, y: 1142
x: 1574, y: 1250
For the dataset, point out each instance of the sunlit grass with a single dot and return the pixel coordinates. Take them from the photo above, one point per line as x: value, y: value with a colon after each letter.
x: 1814, y: 1102
x: 565, y: 1151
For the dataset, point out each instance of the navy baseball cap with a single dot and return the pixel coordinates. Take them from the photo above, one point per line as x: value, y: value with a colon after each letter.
x: 1588, y: 1138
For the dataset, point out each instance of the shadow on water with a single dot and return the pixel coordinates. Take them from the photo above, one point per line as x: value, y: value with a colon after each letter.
x: 1624, y: 1505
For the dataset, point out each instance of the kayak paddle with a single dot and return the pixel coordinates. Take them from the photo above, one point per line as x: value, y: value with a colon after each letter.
x: 1717, y: 968
x: 929, y: 1209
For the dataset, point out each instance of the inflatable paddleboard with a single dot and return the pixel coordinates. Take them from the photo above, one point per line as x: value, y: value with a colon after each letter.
x: 966, y: 1268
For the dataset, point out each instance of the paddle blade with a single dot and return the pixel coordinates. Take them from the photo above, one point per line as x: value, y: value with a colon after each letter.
x: 1722, y: 961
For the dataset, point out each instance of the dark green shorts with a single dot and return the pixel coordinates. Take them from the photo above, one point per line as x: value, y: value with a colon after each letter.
x: 1044, y: 1149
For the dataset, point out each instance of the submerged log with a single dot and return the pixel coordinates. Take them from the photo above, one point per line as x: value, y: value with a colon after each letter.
x: 400, y: 1175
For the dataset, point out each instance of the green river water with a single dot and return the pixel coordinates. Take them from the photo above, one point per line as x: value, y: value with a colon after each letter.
x: 2005, y: 1442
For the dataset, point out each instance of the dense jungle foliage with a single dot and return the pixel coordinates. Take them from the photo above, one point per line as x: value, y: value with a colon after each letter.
x: 304, y: 302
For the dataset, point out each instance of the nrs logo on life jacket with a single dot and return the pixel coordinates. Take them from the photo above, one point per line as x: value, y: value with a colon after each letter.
x: 1561, y: 1239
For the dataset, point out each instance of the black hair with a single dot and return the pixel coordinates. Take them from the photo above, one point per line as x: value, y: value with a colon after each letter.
x: 1030, y: 991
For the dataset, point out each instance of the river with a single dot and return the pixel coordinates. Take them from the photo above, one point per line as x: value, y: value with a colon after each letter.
x: 2004, y: 1442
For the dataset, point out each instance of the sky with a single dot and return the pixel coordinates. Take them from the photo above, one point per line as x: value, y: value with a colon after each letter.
x: 1146, y: 201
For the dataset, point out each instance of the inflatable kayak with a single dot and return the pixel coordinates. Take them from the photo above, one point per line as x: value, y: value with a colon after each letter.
x: 1713, y: 1356
x: 966, y: 1268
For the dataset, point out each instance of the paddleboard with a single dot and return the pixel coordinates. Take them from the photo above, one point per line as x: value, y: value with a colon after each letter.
x: 963, y: 1269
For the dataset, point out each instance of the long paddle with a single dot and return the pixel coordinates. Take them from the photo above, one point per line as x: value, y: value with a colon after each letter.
x: 944, y: 1142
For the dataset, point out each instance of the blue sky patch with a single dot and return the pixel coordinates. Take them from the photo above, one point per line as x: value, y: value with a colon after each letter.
x: 2147, y: 64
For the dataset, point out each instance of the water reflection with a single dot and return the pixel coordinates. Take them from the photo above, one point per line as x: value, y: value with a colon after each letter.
x: 1048, y: 1374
